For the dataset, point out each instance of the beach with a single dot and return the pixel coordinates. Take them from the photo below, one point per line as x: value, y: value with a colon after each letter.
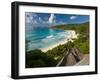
x: 72, y: 36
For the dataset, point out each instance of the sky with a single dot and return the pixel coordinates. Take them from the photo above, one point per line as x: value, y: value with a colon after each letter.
x: 50, y: 19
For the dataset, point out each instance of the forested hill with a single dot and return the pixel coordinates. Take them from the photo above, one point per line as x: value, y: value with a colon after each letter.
x: 79, y: 28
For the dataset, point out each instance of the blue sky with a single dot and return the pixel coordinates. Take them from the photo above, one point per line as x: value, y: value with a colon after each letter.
x: 45, y: 19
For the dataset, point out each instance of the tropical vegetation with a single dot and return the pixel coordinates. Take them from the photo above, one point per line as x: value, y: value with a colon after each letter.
x: 37, y: 58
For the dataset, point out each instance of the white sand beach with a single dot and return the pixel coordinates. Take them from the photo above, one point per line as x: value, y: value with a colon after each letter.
x: 72, y: 36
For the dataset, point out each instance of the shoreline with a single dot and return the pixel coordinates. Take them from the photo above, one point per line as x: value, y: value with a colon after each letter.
x: 72, y: 36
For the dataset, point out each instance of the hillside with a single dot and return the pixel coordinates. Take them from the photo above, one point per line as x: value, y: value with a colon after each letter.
x: 82, y: 42
x: 79, y: 28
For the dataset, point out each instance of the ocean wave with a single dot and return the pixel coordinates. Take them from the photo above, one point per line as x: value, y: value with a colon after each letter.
x: 50, y: 36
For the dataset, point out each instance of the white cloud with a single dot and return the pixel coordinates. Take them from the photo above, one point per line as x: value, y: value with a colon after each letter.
x: 45, y: 22
x: 30, y: 17
x: 40, y: 20
x: 51, y: 18
x: 35, y: 22
x: 73, y: 17
x: 34, y: 19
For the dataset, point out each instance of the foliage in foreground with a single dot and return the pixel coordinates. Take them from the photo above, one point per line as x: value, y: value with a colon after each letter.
x: 37, y: 58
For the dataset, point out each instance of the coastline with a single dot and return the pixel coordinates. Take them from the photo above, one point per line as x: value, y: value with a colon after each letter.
x: 72, y: 36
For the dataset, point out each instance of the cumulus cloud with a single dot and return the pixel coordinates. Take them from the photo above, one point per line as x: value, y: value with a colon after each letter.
x: 51, y: 18
x: 30, y: 17
x: 40, y: 19
x: 73, y: 17
x: 36, y: 20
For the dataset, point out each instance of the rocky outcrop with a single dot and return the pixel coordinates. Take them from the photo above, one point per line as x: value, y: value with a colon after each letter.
x: 72, y: 57
x: 84, y: 61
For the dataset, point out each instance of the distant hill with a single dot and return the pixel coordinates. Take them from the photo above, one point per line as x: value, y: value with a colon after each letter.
x: 79, y: 28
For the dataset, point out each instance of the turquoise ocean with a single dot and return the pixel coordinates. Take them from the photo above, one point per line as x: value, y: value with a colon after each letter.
x: 43, y: 37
